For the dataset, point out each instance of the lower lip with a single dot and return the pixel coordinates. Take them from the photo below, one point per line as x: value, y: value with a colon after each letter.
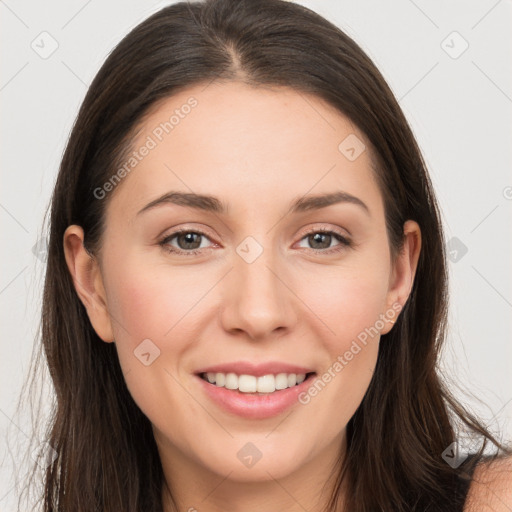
x: 252, y: 405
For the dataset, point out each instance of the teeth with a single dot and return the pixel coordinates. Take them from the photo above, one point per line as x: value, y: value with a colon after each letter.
x: 251, y: 384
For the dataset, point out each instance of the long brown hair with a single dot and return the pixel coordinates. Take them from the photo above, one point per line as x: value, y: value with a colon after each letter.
x: 106, y: 456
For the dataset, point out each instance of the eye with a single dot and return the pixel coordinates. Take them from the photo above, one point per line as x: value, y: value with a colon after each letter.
x: 321, y: 239
x: 188, y: 241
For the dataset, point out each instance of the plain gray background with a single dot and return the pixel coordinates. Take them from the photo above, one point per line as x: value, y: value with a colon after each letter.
x: 448, y: 63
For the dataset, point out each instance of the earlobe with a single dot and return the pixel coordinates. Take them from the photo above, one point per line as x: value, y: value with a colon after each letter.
x: 88, y: 282
x: 404, y: 270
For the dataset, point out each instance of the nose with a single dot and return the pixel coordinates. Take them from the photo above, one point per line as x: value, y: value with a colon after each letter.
x: 258, y: 300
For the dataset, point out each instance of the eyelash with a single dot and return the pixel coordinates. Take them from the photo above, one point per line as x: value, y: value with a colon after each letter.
x: 344, y: 242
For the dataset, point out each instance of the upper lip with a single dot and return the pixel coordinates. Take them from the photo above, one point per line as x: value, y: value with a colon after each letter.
x: 258, y: 370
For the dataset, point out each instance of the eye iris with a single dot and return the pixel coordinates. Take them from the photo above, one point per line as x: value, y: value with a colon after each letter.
x: 187, y: 237
x: 317, y: 237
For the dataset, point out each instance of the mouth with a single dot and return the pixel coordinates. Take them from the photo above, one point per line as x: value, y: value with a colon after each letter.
x: 245, y: 384
x: 254, y: 397
x: 254, y: 391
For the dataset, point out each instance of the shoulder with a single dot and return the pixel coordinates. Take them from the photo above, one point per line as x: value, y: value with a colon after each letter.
x: 491, y: 487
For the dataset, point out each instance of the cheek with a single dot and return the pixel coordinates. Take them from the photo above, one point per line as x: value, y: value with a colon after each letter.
x: 345, y: 300
x: 152, y: 308
x: 348, y: 326
x: 348, y: 311
x: 150, y: 302
x: 352, y: 311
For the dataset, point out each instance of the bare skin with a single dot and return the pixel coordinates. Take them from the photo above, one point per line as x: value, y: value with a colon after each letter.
x: 257, y: 150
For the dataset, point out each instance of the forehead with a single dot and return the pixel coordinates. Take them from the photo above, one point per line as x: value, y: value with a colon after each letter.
x: 246, y: 144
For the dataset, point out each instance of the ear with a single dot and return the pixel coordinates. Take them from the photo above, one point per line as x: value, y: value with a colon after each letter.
x: 88, y: 281
x: 404, y: 270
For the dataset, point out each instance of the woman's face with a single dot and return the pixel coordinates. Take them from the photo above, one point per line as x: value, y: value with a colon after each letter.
x: 255, y: 282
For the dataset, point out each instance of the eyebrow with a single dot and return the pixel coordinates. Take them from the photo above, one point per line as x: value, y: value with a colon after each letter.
x: 213, y: 204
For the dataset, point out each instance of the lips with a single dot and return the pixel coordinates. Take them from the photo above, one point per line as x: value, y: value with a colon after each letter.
x: 254, y: 406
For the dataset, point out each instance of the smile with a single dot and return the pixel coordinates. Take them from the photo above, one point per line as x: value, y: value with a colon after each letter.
x: 252, y: 384
x: 242, y: 395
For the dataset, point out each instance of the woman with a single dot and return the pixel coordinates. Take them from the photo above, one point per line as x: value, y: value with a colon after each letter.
x: 246, y: 286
